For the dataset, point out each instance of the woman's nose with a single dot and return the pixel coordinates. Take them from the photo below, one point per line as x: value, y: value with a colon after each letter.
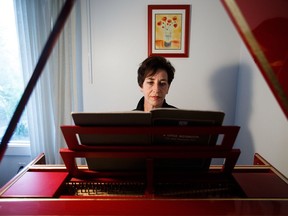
x: 156, y: 87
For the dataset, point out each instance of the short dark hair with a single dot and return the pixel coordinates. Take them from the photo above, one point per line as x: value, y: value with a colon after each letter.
x: 151, y: 65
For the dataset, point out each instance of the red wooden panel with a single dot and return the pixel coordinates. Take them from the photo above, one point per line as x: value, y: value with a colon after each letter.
x: 263, y: 26
x: 144, y: 207
x: 70, y: 133
x: 265, y: 185
x: 37, y: 184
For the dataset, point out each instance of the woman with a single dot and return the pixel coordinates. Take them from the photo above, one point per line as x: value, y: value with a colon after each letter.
x: 155, y: 75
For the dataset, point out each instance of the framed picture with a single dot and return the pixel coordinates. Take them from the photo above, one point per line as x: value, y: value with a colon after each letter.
x: 168, y: 30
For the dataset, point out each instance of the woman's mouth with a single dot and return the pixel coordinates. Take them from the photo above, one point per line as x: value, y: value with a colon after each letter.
x: 155, y: 97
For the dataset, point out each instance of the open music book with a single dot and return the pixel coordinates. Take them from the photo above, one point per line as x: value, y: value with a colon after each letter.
x: 157, y: 117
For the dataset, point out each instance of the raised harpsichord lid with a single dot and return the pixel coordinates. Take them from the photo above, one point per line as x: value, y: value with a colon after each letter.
x: 263, y: 26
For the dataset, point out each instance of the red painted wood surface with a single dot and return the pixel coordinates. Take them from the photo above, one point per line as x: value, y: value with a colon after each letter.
x: 73, y: 205
x: 143, y: 207
x: 37, y: 184
x: 263, y: 26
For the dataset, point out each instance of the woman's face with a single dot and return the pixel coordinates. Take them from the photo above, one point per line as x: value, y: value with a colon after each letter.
x: 155, y: 88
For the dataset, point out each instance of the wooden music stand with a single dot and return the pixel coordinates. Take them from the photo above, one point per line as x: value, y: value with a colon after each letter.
x: 147, y: 152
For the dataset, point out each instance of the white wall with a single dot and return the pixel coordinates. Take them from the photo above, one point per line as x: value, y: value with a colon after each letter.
x: 218, y: 75
x: 263, y: 124
x: 205, y: 80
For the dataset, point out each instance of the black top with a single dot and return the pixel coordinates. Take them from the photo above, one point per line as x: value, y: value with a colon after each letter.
x: 140, y: 105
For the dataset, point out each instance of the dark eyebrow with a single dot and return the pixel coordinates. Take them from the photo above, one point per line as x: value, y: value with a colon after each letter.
x: 151, y: 78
